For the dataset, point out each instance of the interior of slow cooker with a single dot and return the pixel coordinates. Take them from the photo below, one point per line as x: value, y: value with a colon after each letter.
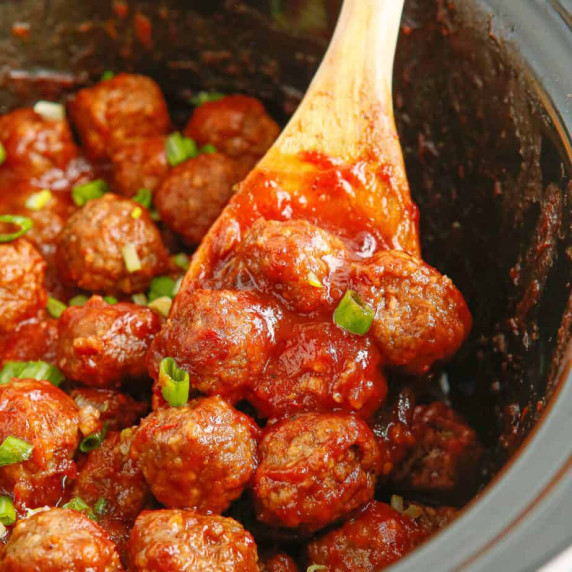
x: 482, y: 158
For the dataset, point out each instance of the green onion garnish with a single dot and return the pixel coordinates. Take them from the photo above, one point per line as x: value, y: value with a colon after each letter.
x: 111, y: 299
x: 2, y: 154
x: 81, y: 194
x: 209, y: 148
x: 161, y: 286
x: 23, y: 222
x: 108, y: 74
x: 174, y: 383
x: 316, y: 568
x: 79, y: 505
x: 204, y: 97
x: 50, y: 110
x: 136, y: 213
x: 353, y: 315
x: 162, y: 305
x: 131, y: 258
x: 180, y: 148
x: 154, y: 214
x: 140, y: 299
x: 55, y: 308
x: 181, y: 260
x: 143, y: 197
x: 100, y: 507
x: 14, y: 450
x: 314, y: 281
x: 93, y: 441
x: 7, y: 511
x: 396, y: 503
x: 31, y: 370
x: 78, y: 300
x: 38, y: 201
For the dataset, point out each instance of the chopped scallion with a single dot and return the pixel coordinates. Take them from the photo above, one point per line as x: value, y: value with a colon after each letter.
x: 14, y: 450
x: 314, y: 281
x: 316, y: 568
x: 7, y: 511
x: 161, y: 286
x: 174, y: 383
x: 30, y: 370
x: 353, y: 315
x: 396, y: 503
x: 136, y: 213
x: 93, y: 441
x: 140, y: 299
x: 79, y: 505
x: 23, y: 222
x: 39, y: 200
x: 131, y: 258
x: 204, y: 97
x: 413, y: 510
x: 81, y: 194
x: 111, y: 299
x: 180, y: 148
x: 55, y: 308
x: 209, y: 148
x: 50, y: 110
x: 162, y: 305
x: 2, y: 154
x: 143, y: 197
x: 108, y: 74
x: 100, y: 507
x: 78, y: 300
x: 181, y: 260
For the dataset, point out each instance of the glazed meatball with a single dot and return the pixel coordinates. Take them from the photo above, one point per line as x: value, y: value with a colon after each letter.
x: 91, y: 246
x: 321, y: 368
x: 34, y: 144
x: 116, y: 409
x: 194, y: 193
x: 141, y: 163
x: 101, y: 344
x: 47, y: 419
x: 32, y: 341
x: 200, y: 456
x: 59, y: 540
x: 314, y: 469
x: 110, y: 474
x: 370, y: 541
x: 22, y: 291
x: 181, y: 541
x: 222, y: 338
x: 236, y: 125
x: 421, y: 318
x: 296, y: 261
x: 114, y: 111
x: 280, y: 562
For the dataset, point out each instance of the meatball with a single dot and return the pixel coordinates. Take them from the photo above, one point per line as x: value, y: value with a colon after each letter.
x: 445, y: 457
x: 140, y: 163
x: 59, y: 540
x: 101, y: 345
x: 421, y: 318
x: 180, y: 541
x: 114, y: 111
x: 321, y: 368
x: 109, y: 473
x: 222, y: 338
x: 34, y: 144
x: 194, y: 193
x: 22, y: 291
x: 370, y: 541
x: 314, y: 469
x: 236, y: 125
x: 32, y: 341
x: 296, y: 261
x: 279, y: 562
x: 91, y: 246
x: 116, y: 409
x: 200, y: 456
x: 47, y: 419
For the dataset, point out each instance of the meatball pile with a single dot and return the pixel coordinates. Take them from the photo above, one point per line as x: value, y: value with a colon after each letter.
x: 265, y: 408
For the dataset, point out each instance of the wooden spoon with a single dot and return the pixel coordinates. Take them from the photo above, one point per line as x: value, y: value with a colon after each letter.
x: 338, y: 163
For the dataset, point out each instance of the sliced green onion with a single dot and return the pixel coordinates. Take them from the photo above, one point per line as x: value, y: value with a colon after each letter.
x: 154, y: 214
x: 81, y: 194
x: 111, y: 299
x: 136, y: 213
x: 162, y: 305
x: 316, y: 568
x: 204, y: 97
x: 209, y: 148
x: 31, y: 370
x: 79, y: 505
x: 353, y: 315
x: 107, y: 74
x: 161, y: 286
x: 131, y: 258
x: 396, y: 503
x: 2, y: 154
x: 178, y: 285
x: 23, y: 222
x: 143, y: 197
x: 180, y: 148
x: 140, y: 299
x: 414, y: 511
x: 78, y: 300
x: 38, y: 201
x: 181, y: 260
x: 7, y: 511
x: 94, y: 440
x: 50, y: 110
x: 55, y: 308
x: 14, y: 450
x: 10, y: 370
x: 314, y: 281
x: 100, y: 507
x: 174, y: 383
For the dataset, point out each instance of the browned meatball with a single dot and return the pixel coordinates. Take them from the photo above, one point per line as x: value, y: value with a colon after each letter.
x: 101, y: 344
x: 111, y: 474
x: 114, y: 111
x: 34, y: 144
x: 91, y: 246
x: 236, y: 125
x: 116, y: 409
x: 59, y: 540
x: 181, y: 541
x: 421, y: 318
x: 194, y: 193
x: 370, y: 541
x: 32, y: 341
x: 22, y: 291
x: 319, y: 367
x: 222, y: 338
x: 141, y: 163
x: 280, y: 562
x: 200, y: 456
x: 47, y: 419
x: 297, y: 262
x: 314, y: 469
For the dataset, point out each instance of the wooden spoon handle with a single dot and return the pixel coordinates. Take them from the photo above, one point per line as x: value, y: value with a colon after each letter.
x: 348, y: 108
